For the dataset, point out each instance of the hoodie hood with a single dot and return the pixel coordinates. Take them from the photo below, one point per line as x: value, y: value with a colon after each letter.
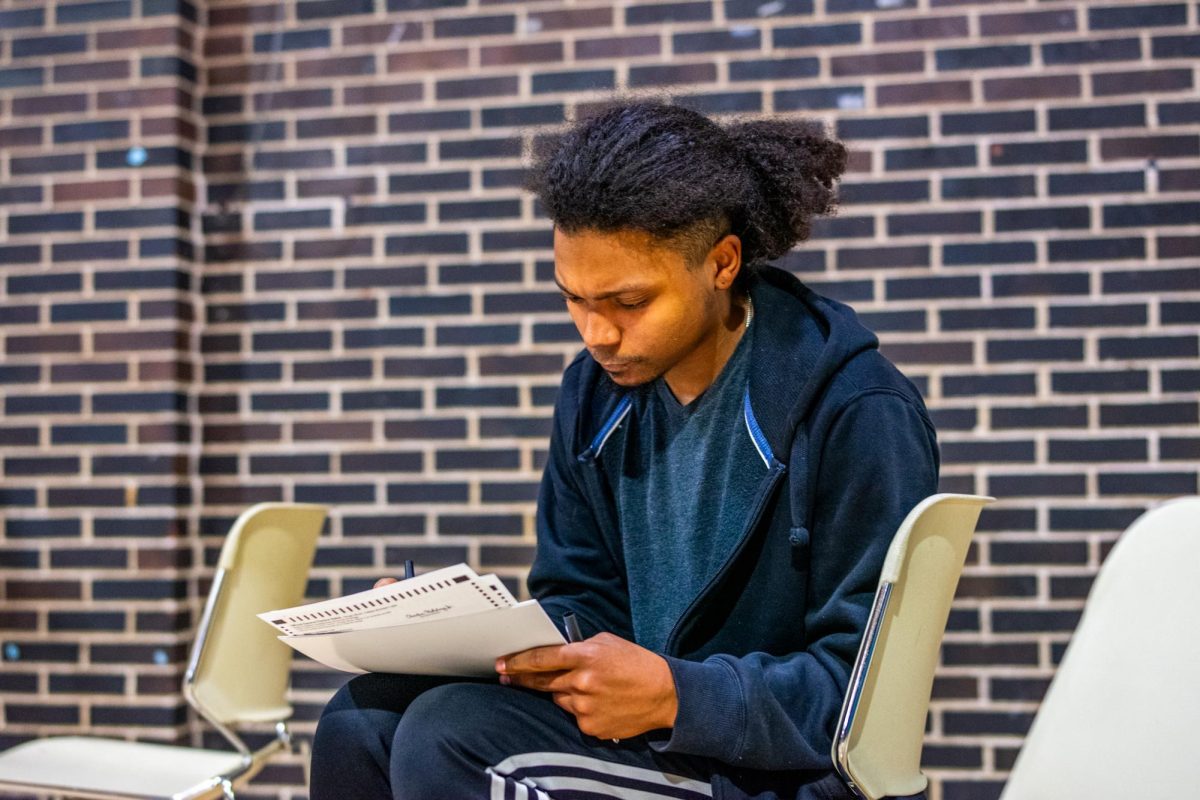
x: 799, y: 365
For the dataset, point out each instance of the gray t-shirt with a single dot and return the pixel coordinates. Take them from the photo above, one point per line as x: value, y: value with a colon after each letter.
x: 688, y: 478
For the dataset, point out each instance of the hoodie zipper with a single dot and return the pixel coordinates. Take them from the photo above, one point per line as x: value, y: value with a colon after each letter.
x: 766, y: 488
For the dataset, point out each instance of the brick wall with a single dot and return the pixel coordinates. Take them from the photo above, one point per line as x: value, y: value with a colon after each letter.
x: 278, y: 251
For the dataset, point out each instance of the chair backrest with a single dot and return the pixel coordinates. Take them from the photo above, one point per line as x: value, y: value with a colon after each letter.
x: 1120, y: 717
x: 877, y: 744
x: 239, y: 670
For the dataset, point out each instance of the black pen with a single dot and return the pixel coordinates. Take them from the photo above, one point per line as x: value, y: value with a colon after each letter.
x: 572, y: 626
x: 409, y: 572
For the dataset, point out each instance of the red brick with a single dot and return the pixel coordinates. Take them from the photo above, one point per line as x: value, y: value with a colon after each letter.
x: 895, y: 30
x: 90, y: 190
x: 929, y: 92
x: 618, y: 47
x: 568, y: 19
x: 505, y: 54
x: 877, y: 63
x: 382, y: 34
x: 1032, y: 87
x: 1029, y: 22
x: 50, y: 104
x: 421, y: 60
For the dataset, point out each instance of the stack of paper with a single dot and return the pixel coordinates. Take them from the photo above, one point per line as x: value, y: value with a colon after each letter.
x: 447, y: 622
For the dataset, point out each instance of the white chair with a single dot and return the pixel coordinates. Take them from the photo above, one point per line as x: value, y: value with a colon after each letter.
x: 881, y: 729
x: 1121, y: 717
x: 237, y: 675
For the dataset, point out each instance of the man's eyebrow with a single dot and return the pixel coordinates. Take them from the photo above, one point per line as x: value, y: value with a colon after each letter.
x: 631, y: 289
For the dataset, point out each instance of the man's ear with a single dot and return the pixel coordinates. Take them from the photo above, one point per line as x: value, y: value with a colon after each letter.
x: 726, y: 256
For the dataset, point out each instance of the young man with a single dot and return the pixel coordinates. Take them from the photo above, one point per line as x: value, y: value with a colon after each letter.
x: 730, y: 458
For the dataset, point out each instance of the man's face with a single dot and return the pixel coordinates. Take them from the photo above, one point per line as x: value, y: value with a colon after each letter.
x: 641, y: 310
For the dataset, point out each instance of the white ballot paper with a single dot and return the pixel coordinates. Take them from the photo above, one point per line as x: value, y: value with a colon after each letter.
x: 447, y: 622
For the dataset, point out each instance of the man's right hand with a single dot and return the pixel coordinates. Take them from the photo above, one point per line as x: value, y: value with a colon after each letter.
x: 384, y: 582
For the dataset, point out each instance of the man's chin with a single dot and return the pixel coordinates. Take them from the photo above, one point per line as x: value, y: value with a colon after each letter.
x: 629, y: 376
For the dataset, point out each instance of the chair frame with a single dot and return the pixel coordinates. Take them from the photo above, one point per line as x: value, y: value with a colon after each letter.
x: 861, y: 669
x: 250, y: 758
x: 251, y: 761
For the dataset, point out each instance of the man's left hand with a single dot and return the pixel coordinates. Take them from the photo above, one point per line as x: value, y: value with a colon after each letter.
x: 614, y: 688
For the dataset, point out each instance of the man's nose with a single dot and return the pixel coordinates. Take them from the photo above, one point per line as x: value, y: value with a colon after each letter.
x: 598, y: 332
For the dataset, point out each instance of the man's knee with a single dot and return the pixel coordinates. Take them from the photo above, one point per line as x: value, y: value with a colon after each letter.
x: 447, y: 738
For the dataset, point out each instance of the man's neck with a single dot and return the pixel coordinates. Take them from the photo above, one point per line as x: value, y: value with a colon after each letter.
x: 690, y: 378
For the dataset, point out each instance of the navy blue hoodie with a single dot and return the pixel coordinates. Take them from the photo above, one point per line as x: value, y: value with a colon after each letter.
x: 762, y: 655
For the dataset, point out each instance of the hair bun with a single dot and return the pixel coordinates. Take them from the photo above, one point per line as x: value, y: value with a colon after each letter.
x: 795, y: 165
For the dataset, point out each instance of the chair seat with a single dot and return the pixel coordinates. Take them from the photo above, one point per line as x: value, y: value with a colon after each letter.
x: 94, y: 767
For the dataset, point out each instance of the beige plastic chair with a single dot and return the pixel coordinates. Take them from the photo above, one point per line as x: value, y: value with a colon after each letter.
x: 237, y: 674
x: 1121, y: 718
x: 880, y: 732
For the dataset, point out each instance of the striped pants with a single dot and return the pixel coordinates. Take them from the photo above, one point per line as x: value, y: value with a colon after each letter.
x: 415, y: 738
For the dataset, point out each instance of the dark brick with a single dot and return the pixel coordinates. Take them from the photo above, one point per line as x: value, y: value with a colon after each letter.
x: 381, y: 400
x: 522, y: 116
x: 1090, y: 51
x: 1178, y: 113
x: 1175, y: 46
x: 575, y: 81
x: 431, y: 243
x: 1091, y: 183
x: 871, y: 6
x: 1044, y: 218
x: 987, y: 318
x: 1142, y: 15
x: 421, y: 121
x: 1098, y: 316
x: 1099, y: 381
x: 668, y: 12
x: 1153, y: 484
x: 1181, y: 449
x: 1182, y: 380
x: 988, y: 122
x: 292, y: 40
x: 1151, y: 214
x: 932, y: 287
x: 929, y: 158
x: 989, y: 253
x: 1042, y: 349
x: 981, y: 385
x: 1141, y: 281
x: 474, y: 26
x: 1097, y: 450
x: 883, y: 192
x: 1038, y: 152
x: 480, y: 524
x: 1149, y: 414
x: 426, y: 492
x: 1015, y: 55
x: 1093, y: 248
x: 1038, y: 416
x: 842, y: 97
x: 883, y: 128
x: 997, y: 452
x: 379, y: 462
x: 1042, y: 485
x: 774, y: 69
x: 48, y: 45
x: 1149, y: 347
x: 817, y: 35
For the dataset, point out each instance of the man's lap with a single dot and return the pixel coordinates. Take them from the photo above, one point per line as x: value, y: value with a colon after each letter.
x: 425, y: 726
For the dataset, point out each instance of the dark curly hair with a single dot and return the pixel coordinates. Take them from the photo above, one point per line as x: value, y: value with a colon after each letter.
x: 683, y: 178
